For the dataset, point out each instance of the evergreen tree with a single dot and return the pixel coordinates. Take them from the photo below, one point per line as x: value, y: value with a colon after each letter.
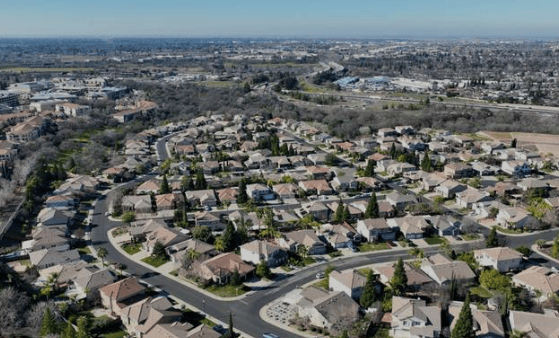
x: 235, y: 278
x: 370, y: 169
x: 464, y: 327
x: 346, y: 215
x: 372, y: 208
x: 513, y: 143
x: 48, y: 326
x: 368, y: 296
x: 83, y: 328
x: 69, y: 331
x: 242, y: 196
x: 231, y: 332
x: 339, y: 215
x: 393, y: 153
x: 201, y: 183
x: 426, y: 163
x: 228, y: 237
x: 492, y: 241
x: 400, y: 279
x: 263, y: 270
x: 164, y: 188
x: 555, y: 248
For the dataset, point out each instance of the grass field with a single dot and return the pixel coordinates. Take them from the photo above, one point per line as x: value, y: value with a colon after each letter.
x: 435, y: 240
x: 227, y: 290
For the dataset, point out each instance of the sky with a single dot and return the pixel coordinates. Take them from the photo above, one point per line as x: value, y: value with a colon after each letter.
x: 284, y: 18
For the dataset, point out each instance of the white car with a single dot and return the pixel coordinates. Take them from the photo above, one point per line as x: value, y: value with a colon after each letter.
x: 319, y: 275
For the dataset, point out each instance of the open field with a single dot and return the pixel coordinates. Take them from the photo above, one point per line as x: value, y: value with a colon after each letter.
x: 44, y: 70
x: 546, y: 143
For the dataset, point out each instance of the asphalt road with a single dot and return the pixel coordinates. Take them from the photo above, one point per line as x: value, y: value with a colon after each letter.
x: 246, y: 311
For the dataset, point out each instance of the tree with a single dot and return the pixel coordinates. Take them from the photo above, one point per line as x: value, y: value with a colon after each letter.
x: 69, y: 331
x: 246, y: 87
x: 555, y: 248
x: 159, y: 250
x: 228, y: 237
x: 346, y: 215
x: 303, y: 251
x: 399, y: 279
x: 242, y: 196
x: 417, y: 253
x: 493, y: 212
x: 102, y: 253
x: 369, y: 169
x: 235, y: 278
x: 372, y: 207
x: 202, y: 232
x: 128, y: 217
x: 48, y: 326
x: 369, y: 295
x: 219, y: 244
x: 464, y: 327
x: 524, y: 250
x: 263, y: 270
x: 83, y: 327
x: 231, y: 332
x: 492, y: 241
x: 494, y: 280
x: 426, y: 163
x: 201, y: 183
x: 164, y: 188
x: 339, y: 215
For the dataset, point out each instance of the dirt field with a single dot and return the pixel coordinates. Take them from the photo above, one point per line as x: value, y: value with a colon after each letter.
x: 545, y: 143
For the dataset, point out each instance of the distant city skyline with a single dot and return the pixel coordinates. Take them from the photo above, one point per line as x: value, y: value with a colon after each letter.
x: 288, y: 18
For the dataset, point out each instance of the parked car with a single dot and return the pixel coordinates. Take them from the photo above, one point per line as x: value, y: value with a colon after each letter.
x: 352, y: 247
x: 218, y: 328
x: 319, y: 275
x: 270, y: 335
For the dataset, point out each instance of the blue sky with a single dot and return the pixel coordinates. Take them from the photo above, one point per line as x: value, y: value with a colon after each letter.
x: 284, y: 18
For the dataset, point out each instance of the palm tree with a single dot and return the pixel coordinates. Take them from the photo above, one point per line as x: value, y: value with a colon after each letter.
x: 219, y: 244
x: 193, y: 254
x: 303, y: 251
x: 102, y: 253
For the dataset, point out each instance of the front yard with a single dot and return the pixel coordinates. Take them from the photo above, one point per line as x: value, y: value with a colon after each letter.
x: 227, y: 290
x: 366, y: 247
x: 435, y: 240
x: 509, y: 231
x: 155, y: 261
x: 132, y: 248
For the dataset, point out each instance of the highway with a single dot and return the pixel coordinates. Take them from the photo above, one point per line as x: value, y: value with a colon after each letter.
x: 246, y: 311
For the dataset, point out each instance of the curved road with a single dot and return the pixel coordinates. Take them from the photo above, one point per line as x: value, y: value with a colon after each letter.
x: 246, y: 311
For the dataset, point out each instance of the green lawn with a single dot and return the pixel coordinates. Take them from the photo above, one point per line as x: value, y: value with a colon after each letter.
x: 509, y: 231
x: 309, y: 260
x: 470, y: 237
x: 155, y: 261
x: 366, y: 247
x: 84, y: 251
x: 227, y: 290
x: 435, y: 240
x: 336, y: 253
x: 119, y: 232
x: 481, y: 292
x: 114, y: 334
x: 132, y: 248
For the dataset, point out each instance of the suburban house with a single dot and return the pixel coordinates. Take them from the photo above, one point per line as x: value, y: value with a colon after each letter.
x: 201, y: 197
x: 338, y: 235
x: 412, y: 318
x: 445, y: 225
x: 179, y: 250
x: 117, y: 296
x: 446, y: 272
x: 332, y: 310
x: 181, y: 330
x: 449, y: 188
x: 516, y: 168
x: 285, y: 190
x: 471, y: 196
x: 257, y: 250
x: 140, y: 204
x: 458, y: 170
x: 318, y: 210
x: 88, y: 281
x: 46, y: 258
x: 164, y: 235
x: 204, y: 218
x: 538, y: 279
x: 308, y: 238
x: 318, y: 173
x: 375, y: 229
x: 516, y: 218
x: 484, y: 169
x: 532, y: 324
x: 503, y: 259
x: 351, y: 282
x: 219, y: 268
x: 168, y: 201
x: 345, y: 183
x: 46, y: 238
x: 259, y: 192
x: 60, y: 202
x: 412, y: 227
x: 417, y: 279
x: 399, y: 201
x: 148, y: 187
x: 487, y: 324
x: 316, y: 187
x: 228, y: 194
